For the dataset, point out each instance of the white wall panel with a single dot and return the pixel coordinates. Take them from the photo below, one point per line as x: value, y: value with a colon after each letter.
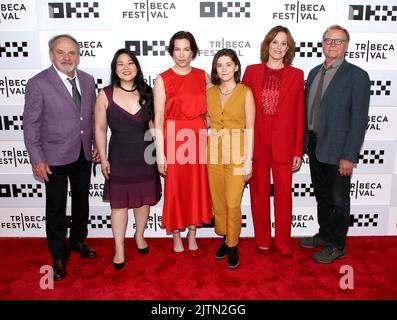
x: 145, y: 27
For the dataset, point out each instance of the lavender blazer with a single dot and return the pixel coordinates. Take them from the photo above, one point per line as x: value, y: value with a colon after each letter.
x: 53, y: 128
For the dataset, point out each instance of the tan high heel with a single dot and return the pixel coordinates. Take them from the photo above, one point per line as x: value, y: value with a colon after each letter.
x: 193, y: 252
x: 174, y: 235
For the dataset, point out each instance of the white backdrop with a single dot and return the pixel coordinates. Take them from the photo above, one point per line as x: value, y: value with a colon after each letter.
x: 145, y: 27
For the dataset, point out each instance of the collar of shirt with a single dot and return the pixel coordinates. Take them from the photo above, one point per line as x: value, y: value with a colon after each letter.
x: 65, y: 77
x: 336, y: 64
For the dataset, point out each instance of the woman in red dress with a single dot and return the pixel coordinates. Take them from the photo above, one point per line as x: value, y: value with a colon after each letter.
x: 181, y: 133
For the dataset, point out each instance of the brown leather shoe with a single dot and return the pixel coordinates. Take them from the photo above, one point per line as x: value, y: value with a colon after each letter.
x: 59, y: 269
x: 84, y: 249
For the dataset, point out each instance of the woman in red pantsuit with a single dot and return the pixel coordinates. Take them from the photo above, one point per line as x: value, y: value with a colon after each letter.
x: 278, y: 143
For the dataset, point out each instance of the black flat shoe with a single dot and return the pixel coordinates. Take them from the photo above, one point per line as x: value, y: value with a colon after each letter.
x: 118, y: 266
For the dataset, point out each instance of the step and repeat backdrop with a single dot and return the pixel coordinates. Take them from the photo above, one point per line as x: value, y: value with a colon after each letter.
x: 145, y: 27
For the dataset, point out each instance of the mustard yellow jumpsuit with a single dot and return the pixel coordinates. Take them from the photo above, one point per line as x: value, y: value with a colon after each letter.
x: 225, y: 160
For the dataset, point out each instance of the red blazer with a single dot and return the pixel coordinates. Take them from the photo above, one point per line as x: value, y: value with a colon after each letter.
x: 288, y: 126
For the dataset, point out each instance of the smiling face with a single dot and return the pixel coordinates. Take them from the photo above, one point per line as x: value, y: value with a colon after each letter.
x: 65, y: 56
x: 226, y: 68
x: 333, y: 51
x: 126, y: 69
x: 278, y: 47
x: 182, y: 54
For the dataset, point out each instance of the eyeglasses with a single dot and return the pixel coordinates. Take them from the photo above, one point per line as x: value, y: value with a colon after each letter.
x: 336, y: 42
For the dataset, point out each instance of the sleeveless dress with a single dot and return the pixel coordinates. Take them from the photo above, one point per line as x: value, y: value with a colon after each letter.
x: 132, y: 182
x: 186, y: 191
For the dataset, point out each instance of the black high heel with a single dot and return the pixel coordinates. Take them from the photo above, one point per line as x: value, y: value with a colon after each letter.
x: 142, y: 251
x: 118, y: 266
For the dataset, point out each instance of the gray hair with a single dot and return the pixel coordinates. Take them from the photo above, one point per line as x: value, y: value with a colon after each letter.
x: 337, y: 27
x: 52, y: 41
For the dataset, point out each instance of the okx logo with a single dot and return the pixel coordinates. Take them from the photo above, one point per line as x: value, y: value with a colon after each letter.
x: 225, y: 9
x: 364, y: 220
x: 303, y: 190
x: 13, y: 49
x: 373, y: 13
x: 20, y: 191
x: 80, y: 10
x: 380, y: 88
x: 372, y: 157
x: 147, y: 48
x: 11, y: 123
x: 98, y: 84
x: 100, y: 222
x: 309, y: 49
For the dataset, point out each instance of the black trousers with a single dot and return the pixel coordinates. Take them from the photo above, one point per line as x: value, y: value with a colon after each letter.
x: 79, y: 174
x: 332, y: 193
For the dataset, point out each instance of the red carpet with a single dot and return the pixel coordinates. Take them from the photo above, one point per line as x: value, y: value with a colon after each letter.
x: 161, y: 275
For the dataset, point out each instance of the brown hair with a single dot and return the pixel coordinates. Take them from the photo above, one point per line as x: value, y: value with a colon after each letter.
x: 183, y: 35
x: 289, y: 55
x: 229, y: 53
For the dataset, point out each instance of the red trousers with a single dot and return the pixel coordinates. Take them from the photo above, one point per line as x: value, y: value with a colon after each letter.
x: 260, y: 201
x: 262, y: 166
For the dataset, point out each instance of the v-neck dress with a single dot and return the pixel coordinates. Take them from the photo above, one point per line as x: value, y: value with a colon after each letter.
x: 133, y: 182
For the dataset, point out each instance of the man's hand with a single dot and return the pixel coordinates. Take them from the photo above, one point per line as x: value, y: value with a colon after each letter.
x: 345, y: 168
x: 41, y: 170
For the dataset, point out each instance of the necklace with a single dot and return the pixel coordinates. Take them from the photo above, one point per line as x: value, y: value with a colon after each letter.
x: 227, y: 92
x: 132, y: 90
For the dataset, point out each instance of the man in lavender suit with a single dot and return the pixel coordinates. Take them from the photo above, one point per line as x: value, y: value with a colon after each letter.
x: 58, y: 133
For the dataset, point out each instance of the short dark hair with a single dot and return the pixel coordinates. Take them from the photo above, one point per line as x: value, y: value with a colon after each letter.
x: 183, y: 35
x: 51, y: 42
x: 145, y: 91
x: 289, y: 55
x: 229, y: 53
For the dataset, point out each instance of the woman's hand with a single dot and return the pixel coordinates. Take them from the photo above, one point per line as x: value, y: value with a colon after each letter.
x: 162, y: 165
x: 296, y: 163
x: 247, y: 170
x: 105, y: 168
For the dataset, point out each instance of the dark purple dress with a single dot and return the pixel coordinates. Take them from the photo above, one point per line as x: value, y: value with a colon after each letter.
x: 132, y: 182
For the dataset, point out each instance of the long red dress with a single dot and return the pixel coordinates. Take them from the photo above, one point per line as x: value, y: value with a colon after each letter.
x: 186, y: 189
